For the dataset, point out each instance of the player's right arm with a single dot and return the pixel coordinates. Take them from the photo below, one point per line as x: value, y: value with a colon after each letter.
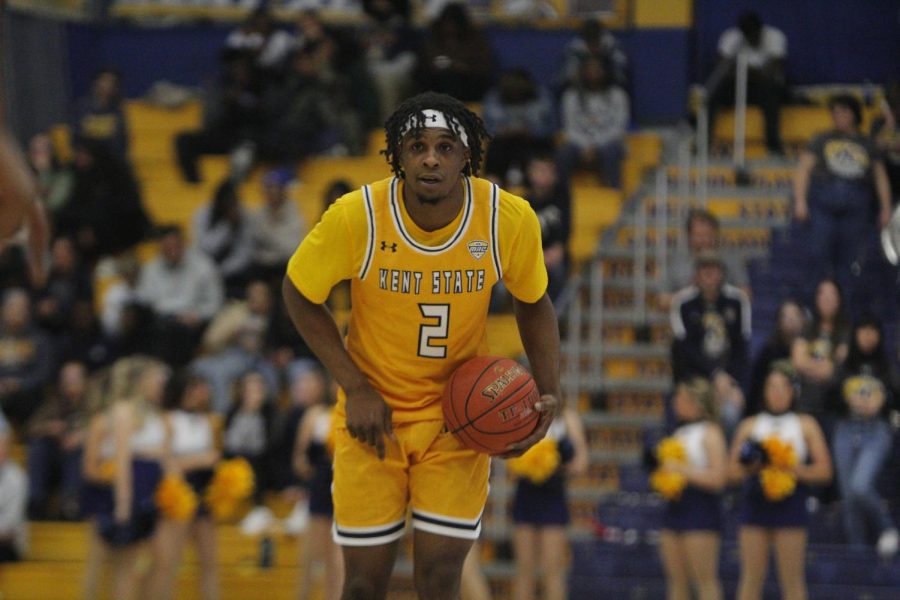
x: 326, y: 256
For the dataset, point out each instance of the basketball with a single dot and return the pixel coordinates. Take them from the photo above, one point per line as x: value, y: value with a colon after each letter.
x: 489, y: 403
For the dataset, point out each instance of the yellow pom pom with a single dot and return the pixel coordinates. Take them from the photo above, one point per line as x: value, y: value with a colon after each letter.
x: 107, y: 470
x: 670, y: 449
x: 777, y: 484
x: 232, y: 483
x: 780, y: 453
x: 538, y: 463
x: 175, y: 499
x: 668, y: 484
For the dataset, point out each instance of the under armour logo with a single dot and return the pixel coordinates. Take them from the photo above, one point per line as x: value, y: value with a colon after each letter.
x: 433, y: 118
x: 385, y: 246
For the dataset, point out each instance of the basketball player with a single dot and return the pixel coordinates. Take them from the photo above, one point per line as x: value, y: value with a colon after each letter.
x: 422, y: 250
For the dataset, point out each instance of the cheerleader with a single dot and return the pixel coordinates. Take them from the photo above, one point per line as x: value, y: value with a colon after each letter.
x: 691, y: 529
x: 771, y: 453
x: 312, y: 462
x: 194, y: 453
x: 540, y: 515
x: 132, y: 437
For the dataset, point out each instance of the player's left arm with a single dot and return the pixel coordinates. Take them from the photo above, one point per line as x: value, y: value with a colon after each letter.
x: 526, y: 278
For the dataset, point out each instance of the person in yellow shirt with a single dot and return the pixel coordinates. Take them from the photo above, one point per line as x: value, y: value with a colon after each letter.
x: 422, y: 250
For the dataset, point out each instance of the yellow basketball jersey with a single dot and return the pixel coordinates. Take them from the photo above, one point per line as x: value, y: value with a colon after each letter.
x: 419, y: 300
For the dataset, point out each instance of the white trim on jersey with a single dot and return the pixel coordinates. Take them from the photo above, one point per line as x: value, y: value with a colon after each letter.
x: 397, y: 217
x: 495, y: 238
x: 370, y: 239
x: 740, y: 295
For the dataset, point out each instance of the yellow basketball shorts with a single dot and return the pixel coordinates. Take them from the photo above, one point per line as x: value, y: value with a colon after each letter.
x: 425, y: 470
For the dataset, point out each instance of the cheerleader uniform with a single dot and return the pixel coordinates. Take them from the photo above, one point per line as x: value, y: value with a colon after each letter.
x: 96, y: 495
x: 320, y: 458
x: 790, y: 511
x: 146, y: 474
x: 697, y: 509
x: 192, y: 434
x: 545, y: 504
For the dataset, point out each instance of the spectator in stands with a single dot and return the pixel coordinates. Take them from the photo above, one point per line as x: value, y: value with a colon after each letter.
x: 312, y: 112
x: 55, y: 438
x: 234, y: 345
x: 595, y: 116
x: 540, y: 514
x: 765, y: 47
x: 222, y: 230
x: 119, y: 296
x: 837, y: 182
x: 886, y: 134
x: 390, y: 46
x: 247, y: 434
x: 267, y: 46
x: 277, y: 227
x: 184, y: 291
x: 768, y: 517
x: 865, y: 390
x: 104, y: 214
x: 711, y: 328
x: 312, y: 458
x: 194, y: 448
x: 552, y: 202
x: 703, y: 235
x: 790, y: 325
x: 83, y: 339
x: 819, y: 351
x: 13, y: 499
x: 690, y: 538
x: 54, y: 180
x: 521, y: 119
x: 456, y: 58
x: 28, y: 358
x: 594, y: 40
x: 100, y: 118
x: 232, y: 115
x: 69, y: 281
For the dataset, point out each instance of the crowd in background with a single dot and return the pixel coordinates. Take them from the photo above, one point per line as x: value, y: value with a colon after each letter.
x: 209, y: 303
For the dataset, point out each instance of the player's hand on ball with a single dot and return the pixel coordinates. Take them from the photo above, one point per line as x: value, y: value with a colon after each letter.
x: 548, y: 407
x: 369, y: 418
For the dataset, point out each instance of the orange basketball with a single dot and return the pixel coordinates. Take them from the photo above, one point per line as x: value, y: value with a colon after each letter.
x: 489, y: 403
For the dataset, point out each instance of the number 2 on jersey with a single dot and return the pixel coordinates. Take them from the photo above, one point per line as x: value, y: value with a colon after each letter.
x: 435, y: 328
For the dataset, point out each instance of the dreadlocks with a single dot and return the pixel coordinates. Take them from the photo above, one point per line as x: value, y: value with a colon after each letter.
x: 458, y: 116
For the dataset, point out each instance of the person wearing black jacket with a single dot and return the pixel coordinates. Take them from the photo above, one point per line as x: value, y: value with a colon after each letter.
x: 711, y: 328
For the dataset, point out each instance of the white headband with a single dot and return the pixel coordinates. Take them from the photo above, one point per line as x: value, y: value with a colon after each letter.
x: 435, y: 119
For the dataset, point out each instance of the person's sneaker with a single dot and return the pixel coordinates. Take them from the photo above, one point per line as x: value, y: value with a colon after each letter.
x: 296, y: 522
x: 888, y: 543
x: 257, y: 521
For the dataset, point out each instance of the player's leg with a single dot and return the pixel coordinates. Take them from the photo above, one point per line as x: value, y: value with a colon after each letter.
x: 334, y: 566
x: 790, y: 550
x: 525, y: 554
x: 702, y: 554
x: 554, y: 555
x: 448, y: 486
x: 674, y: 562
x: 368, y: 571
x: 437, y: 564
x: 370, y: 503
x: 206, y: 541
x: 754, y: 548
